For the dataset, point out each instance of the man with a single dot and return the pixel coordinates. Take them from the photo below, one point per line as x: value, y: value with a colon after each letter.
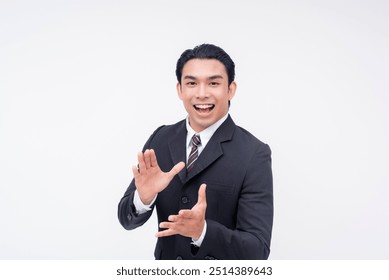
x: 220, y: 204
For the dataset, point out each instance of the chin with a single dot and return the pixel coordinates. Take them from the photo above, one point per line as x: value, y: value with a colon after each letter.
x: 203, y: 124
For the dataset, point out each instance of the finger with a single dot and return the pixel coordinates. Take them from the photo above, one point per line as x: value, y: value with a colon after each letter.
x: 135, y: 171
x: 164, y: 233
x: 141, y: 163
x: 173, y: 225
x: 168, y: 225
x: 165, y: 224
x: 153, y: 158
x: 187, y: 214
x: 172, y: 218
x: 147, y: 158
x: 202, y: 199
x: 176, y: 169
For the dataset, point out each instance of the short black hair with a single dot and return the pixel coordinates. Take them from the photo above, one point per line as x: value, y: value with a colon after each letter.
x: 206, y: 51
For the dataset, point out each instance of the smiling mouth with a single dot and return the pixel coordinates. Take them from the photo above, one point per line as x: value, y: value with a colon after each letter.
x: 204, y: 108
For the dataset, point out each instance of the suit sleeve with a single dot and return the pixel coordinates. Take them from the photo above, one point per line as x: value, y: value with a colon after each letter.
x: 251, y: 237
x: 127, y: 215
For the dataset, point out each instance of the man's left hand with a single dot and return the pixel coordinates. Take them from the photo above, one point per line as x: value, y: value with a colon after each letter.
x: 189, y: 223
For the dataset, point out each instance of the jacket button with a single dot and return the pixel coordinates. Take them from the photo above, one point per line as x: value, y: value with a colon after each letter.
x: 179, y: 258
x: 184, y: 199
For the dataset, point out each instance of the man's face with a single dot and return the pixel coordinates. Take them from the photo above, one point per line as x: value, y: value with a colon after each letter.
x: 205, y: 92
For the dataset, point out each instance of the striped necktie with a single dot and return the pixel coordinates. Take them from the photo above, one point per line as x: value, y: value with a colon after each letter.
x: 194, y: 153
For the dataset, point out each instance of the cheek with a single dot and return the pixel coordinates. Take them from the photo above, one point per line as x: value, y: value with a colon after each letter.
x: 186, y: 95
x: 186, y: 100
x: 223, y: 97
x: 187, y: 104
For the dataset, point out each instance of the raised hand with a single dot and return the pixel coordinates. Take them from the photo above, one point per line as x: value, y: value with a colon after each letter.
x: 189, y: 223
x: 149, y: 178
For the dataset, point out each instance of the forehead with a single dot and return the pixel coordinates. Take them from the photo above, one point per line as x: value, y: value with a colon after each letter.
x: 204, y: 68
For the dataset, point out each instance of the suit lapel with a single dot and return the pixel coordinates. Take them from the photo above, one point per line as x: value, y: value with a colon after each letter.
x: 177, y: 148
x: 213, y: 150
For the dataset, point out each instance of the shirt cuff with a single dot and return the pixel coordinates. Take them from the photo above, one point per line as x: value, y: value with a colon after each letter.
x: 199, y: 241
x: 139, y: 206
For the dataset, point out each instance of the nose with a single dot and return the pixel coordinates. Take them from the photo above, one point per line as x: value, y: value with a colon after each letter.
x: 202, y: 92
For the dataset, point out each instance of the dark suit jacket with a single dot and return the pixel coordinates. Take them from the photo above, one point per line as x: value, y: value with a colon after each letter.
x: 237, y: 170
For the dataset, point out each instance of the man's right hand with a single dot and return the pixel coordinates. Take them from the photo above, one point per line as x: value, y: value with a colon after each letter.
x: 149, y: 178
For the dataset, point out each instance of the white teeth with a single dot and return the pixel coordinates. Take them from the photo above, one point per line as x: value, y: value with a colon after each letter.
x: 204, y: 106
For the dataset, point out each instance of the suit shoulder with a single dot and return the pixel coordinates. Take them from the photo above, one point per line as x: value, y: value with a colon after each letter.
x: 169, y: 129
x: 165, y: 132
x: 249, y: 140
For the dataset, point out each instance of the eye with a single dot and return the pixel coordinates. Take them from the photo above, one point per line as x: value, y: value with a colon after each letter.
x: 214, y: 84
x: 190, y: 84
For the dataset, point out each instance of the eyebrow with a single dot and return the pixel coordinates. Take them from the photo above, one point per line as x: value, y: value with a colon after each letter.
x: 189, y: 77
x: 215, y: 77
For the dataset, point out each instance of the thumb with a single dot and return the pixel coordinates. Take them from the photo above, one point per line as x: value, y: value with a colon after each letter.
x: 176, y: 169
x: 202, y: 196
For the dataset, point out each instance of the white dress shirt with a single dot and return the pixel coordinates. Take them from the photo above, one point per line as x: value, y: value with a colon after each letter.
x: 205, y: 136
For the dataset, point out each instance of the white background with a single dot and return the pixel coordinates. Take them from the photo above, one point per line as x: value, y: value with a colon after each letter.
x: 84, y: 83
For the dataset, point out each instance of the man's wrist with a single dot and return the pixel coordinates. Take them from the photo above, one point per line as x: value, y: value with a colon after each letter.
x: 141, y: 207
x: 146, y: 200
x: 200, y: 240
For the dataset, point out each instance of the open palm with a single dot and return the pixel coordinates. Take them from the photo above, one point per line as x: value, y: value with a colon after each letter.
x: 149, y: 178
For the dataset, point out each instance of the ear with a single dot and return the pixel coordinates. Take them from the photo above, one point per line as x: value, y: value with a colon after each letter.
x: 179, y: 92
x: 232, y: 90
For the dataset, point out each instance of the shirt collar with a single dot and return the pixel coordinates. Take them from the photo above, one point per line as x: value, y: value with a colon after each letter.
x: 206, y: 134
